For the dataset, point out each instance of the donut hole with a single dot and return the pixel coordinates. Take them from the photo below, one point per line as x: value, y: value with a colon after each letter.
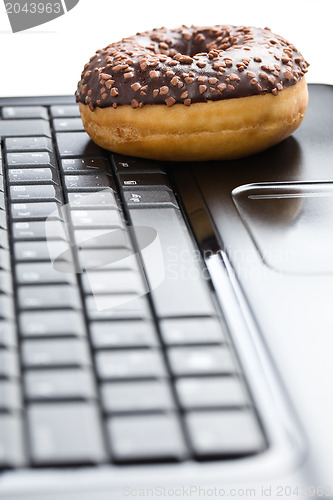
x: 207, y: 40
x: 193, y: 44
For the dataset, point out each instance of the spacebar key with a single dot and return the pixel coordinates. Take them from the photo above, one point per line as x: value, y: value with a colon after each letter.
x: 177, y: 280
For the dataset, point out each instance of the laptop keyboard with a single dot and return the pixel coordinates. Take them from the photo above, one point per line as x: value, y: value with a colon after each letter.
x: 112, y: 348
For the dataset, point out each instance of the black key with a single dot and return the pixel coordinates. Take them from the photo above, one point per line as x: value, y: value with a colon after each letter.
x: 150, y: 198
x: 65, y: 433
x: 150, y: 395
x: 11, y: 441
x: 3, y: 219
x: 100, y: 199
x: 42, y: 192
x: 102, y: 307
x: 54, y: 353
x: 6, y: 307
x: 84, y: 165
x: 65, y: 110
x: 106, y: 334
x: 224, y: 433
x: 128, y: 164
x: 200, y: 360
x: 8, y: 337
x: 77, y: 144
x: 32, y: 175
x: 6, y: 283
x: 10, y: 396
x: 92, y: 182
x: 2, y: 199
x: 48, y: 385
x: 3, y: 238
x: 210, y: 392
x: 28, y: 144
x: 19, y: 128
x: 61, y: 323
x: 113, y: 282
x: 28, y: 159
x: 191, y: 331
x: 67, y: 124
x: 98, y: 258
x: 134, y: 181
x: 5, y: 259
x: 134, y: 363
x: 15, y: 112
x: 49, y: 297
x: 135, y: 438
x: 41, y: 273
x: 36, y: 230
x: 9, y: 364
x: 96, y: 218
x: 39, y: 250
x: 182, y: 289
x: 101, y: 238
x: 27, y: 211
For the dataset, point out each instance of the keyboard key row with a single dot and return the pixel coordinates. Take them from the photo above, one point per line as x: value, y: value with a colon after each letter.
x: 71, y: 433
x: 156, y: 395
x: 149, y: 363
x: 160, y: 436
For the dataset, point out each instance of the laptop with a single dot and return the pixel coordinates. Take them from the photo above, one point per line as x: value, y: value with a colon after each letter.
x: 166, y: 328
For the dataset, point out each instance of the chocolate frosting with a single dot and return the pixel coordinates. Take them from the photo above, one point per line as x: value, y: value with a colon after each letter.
x: 189, y: 65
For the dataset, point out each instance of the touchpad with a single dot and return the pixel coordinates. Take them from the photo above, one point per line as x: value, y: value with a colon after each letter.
x: 291, y: 224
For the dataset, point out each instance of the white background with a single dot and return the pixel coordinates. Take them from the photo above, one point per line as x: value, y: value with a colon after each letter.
x: 48, y: 60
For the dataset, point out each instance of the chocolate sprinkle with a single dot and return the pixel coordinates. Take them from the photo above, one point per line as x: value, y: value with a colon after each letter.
x: 172, y: 66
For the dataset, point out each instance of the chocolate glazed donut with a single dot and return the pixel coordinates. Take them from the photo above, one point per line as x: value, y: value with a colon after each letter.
x: 194, y: 93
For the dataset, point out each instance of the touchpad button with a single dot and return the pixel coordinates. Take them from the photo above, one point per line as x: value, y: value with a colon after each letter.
x: 291, y: 224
